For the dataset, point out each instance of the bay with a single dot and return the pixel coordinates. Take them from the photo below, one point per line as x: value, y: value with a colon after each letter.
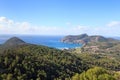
x: 50, y: 41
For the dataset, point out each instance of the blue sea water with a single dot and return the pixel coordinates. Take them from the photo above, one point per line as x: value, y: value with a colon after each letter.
x: 50, y: 41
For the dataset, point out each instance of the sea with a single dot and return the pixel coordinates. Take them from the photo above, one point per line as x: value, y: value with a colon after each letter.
x: 50, y: 41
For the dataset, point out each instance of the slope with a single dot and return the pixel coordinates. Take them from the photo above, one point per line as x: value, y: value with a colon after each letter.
x: 38, y: 62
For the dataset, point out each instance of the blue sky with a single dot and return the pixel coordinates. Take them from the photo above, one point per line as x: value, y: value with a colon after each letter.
x: 60, y: 17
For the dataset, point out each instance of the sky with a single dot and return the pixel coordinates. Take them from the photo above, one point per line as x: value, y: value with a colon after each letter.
x: 60, y: 17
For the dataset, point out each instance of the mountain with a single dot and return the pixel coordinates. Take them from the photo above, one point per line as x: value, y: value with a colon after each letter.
x: 74, y: 38
x: 13, y: 42
x: 84, y: 38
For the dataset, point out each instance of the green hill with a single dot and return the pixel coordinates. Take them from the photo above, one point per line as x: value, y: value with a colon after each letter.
x: 13, y: 42
x: 33, y: 62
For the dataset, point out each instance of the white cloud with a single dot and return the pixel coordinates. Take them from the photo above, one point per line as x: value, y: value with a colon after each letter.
x: 110, y: 29
x: 114, y: 23
x: 8, y: 26
x: 3, y: 19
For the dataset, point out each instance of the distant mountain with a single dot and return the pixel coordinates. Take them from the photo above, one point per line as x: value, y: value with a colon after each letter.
x: 13, y: 42
x: 118, y: 38
x: 84, y: 38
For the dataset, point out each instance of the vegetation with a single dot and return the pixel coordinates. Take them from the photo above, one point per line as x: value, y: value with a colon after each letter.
x: 38, y: 62
x: 99, y: 51
x: 22, y: 61
x: 105, y: 61
x: 97, y: 73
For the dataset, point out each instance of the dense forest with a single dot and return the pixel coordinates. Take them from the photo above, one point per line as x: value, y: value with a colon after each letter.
x: 38, y: 62
x: 23, y: 61
x: 97, y: 73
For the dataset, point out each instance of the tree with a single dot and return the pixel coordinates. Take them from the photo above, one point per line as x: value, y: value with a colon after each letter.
x: 96, y: 73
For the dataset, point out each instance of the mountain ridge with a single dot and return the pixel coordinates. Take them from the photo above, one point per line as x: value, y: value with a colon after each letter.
x: 84, y: 38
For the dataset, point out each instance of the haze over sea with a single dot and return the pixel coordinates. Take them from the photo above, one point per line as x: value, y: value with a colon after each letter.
x: 50, y: 41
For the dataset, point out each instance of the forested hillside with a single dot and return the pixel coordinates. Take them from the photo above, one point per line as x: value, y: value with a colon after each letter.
x: 32, y: 62
x: 97, y: 73
x: 23, y: 61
